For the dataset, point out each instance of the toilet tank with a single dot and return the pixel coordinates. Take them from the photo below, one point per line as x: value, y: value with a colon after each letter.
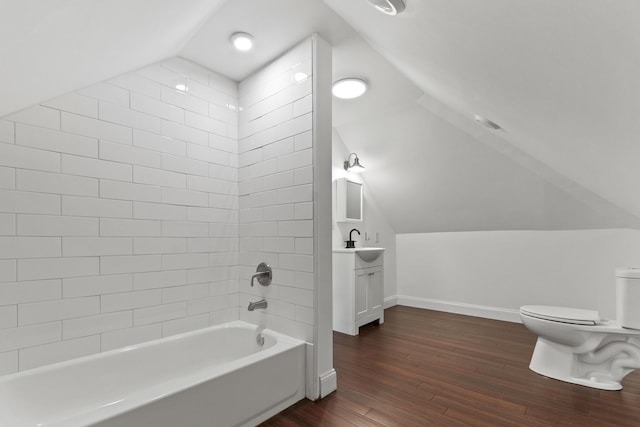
x: 628, y: 297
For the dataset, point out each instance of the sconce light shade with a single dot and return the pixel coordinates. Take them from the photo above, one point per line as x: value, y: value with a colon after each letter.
x: 354, y: 166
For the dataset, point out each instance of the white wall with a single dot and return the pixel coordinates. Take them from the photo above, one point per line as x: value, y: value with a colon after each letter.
x: 374, y: 225
x: 118, y: 215
x: 493, y: 273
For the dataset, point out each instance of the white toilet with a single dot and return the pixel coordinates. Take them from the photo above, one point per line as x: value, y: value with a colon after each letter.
x: 577, y: 346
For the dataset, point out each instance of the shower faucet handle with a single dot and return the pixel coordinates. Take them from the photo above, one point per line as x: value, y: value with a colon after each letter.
x: 263, y: 274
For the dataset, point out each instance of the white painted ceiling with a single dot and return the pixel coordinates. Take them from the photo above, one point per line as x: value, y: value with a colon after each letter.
x: 558, y: 76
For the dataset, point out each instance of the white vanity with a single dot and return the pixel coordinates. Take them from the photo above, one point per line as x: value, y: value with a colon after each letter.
x: 358, y: 288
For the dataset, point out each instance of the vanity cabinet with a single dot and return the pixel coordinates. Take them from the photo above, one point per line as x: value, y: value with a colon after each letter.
x: 358, y: 291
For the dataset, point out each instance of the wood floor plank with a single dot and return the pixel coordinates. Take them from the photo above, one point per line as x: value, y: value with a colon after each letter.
x: 429, y: 368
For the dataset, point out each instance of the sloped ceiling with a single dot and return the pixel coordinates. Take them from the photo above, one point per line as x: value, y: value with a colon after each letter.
x: 559, y: 77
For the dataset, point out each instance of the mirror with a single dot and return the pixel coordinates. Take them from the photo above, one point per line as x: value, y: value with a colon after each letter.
x: 348, y: 200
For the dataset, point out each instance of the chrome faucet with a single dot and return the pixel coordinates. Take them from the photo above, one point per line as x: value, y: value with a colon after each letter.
x: 258, y: 304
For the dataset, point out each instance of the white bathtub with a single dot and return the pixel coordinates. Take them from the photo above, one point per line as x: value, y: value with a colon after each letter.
x: 217, y: 376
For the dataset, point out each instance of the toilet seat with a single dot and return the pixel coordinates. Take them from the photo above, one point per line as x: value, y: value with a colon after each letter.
x: 574, y: 316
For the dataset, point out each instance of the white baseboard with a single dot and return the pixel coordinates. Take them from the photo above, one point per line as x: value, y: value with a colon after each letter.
x: 390, y: 301
x: 495, y: 313
x: 328, y: 383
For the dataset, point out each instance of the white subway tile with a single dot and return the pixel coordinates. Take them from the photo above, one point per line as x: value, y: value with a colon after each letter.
x: 7, y: 270
x: 143, y: 316
x: 46, y: 182
x: 224, y: 85
x: 304, y: 246
x: 7, y: 131
x: 127, y: 191
x: 159, y: 245
x: 130, y: 264
x: 209, y: 214
x: 207, y: 154
x: 7, y: 178
x: 75, y: 103
x: 29, y: 247
x: 205, y: 305
x: 261, y: 169
x: 278, y: 180
x: 92, y: 206
x: 184, y: 165
x: 207, y: 93
x: 223, y: 201
x: 185, y: 133
x: 304, y: 211
x: 92, y: 325
x: 183, y: 261
x: 26, y: 292
x: 94, y: 128
x: 139, y: 84
x: 223, y: 229
x: 205, y: 123
x: 162, y: 75
x: 294, y: 126
x: 45, y: 225
x: 296, y: 228
x: 303, y: 106
x: 17, y: 156
x: 250, y: 157
x: 64, y: 350
x: 130, y: 227
x: 7, y: 225
x: 27, y: 336
x: 37, y: 116
x: 159, y: 177
x: 142, y: 210
x: 210, y: 185
x: 159, y: 143
x: 185, y: 293
x: 156, y: 108
x: 278, y: 148
x: 296, y: 262
x: 295, y: 160
x: 297, y: 194
x: 205, y: 275
x: 130, y: 300
x: 55, y: 140
x: 96, y: 246
x: 96, y: 168
x: 123, y: 153
x: 53, y: 268
x: 180, y: 99
x: 107, y: 92
x: 8, y: 316
x: 208, y: 244
x: 279, y: 244
x: 303, y: 175
x: 224, y: 113
x: 96, y: 285
x: 184, y: 197
x: 223, y: 172
x: 8, y: 362
x: 187, y: 68
x: 131, y: 336
x: 224, y: 143
x: 303, y: 141
x: 296, y: 296
x: 184, y: 229
x: 284, y: 277
x: 48, y: 311
x: 159, y: 279
x: 186, y: 324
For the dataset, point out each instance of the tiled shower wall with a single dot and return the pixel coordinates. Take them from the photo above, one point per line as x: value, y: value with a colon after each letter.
x: 119, y: 216
x: 276, y: 192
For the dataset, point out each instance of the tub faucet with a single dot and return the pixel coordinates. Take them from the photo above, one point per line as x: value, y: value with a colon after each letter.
x: 258, y: 304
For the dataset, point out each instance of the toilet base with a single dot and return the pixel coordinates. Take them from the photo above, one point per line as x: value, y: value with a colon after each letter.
x: 558, y: 361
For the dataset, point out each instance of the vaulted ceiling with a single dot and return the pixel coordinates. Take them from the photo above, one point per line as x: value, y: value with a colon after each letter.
x: 560, y: 77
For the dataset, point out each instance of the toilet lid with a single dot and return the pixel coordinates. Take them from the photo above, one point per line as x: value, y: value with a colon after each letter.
x: 575, y: 316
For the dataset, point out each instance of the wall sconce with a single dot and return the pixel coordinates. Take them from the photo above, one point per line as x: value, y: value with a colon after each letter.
x: 355, y: 166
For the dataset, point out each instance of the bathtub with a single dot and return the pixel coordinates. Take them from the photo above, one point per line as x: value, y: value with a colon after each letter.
x: 218, y: 376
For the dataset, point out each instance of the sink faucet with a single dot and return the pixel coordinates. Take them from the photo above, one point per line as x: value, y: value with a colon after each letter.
x: 258, y: 304
x: 350, y: 243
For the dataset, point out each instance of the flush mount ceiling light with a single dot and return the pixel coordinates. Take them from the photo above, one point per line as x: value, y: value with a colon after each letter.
x: 486, y: 122
x: 389, y: 7
x: 349, y: 88
x: 354, y: 166
x: 242, y: 41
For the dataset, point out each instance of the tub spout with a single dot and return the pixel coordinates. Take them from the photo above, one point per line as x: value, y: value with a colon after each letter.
x: 258, y: 304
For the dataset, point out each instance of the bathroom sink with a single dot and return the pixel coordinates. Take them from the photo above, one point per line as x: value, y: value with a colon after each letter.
x: 369, y: 254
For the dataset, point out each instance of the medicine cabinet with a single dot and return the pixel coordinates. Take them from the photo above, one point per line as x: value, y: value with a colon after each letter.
x: 348, y: 200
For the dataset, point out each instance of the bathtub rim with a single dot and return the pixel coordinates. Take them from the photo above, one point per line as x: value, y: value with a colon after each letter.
x: 139, y: 398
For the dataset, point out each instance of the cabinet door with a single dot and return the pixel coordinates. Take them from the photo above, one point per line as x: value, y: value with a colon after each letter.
x: 361, y: 293
x: 376, y: 290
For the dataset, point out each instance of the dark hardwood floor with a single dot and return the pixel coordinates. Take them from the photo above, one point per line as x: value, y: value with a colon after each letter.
x: 428, y: 368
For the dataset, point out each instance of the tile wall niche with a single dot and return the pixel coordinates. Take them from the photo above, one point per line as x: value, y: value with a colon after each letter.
x: 119, y: 215
x: 276, y: 192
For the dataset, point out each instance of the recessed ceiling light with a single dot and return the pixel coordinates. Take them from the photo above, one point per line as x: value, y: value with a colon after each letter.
x: 349, y: 88
x: 486, y: 122
x: 242, y: 41
x: 389, y: 7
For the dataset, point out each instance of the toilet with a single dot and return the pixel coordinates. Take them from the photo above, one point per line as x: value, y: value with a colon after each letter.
x: 579, y: 347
